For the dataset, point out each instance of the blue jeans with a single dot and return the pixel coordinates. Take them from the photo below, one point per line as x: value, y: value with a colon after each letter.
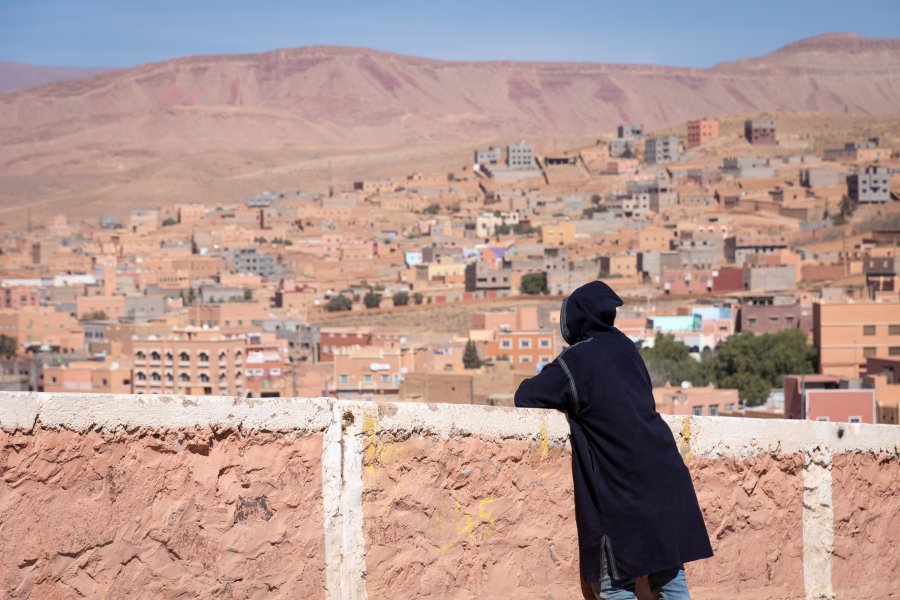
x: 667, y: 585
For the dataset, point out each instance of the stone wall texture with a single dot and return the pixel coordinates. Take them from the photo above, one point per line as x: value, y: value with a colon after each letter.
x: 118, y: 496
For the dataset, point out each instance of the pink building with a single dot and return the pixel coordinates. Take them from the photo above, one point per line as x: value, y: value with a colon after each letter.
x: 827, y: 398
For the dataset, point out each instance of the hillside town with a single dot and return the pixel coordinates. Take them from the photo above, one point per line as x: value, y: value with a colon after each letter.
x: 445, y: 287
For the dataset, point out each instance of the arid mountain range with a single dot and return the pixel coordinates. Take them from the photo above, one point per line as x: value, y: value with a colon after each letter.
x: 207, y: 110
x: 16, y: 76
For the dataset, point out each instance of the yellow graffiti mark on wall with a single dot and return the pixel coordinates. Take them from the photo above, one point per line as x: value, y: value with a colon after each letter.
x: 545, y: 440
x: 376, y: 453
x: 370, y: 448
x: 686, y: 439
x: 477, y: 527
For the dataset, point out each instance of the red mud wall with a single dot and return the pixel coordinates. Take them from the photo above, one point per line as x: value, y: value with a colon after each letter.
x: 189, y: 515
x: 866, y: 496
x: 468, y: 518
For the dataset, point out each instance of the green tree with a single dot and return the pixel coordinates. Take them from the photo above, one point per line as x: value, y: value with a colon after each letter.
x: 418, y: 298
x: 169, y: 222
x: 432, y: 209
x: 401, y: 298
x: 471, y: 360
x: 534, y: 283
x: 372, y: 299
x: 339, y: 303
x: 97, y: 315
x: 670, y: 361
x: 8, y: 346
x: 248, y: 294
x: 755, y: 364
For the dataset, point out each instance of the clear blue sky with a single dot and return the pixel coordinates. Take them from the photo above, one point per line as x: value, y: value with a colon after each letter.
x: 119, y: 33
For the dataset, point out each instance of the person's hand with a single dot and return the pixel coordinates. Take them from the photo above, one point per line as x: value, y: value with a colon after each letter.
x: 642, y: 589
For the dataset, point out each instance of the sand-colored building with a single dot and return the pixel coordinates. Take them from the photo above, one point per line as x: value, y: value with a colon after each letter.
x: 846, y: 334
x: 96, y: 377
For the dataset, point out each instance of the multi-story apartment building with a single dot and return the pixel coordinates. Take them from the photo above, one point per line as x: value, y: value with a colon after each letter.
x: 208, y: 361
x: 520, y: 155
x: 702, y: 131
x: 662, y: 149
x: 760, y: 132
x: 522, y: 347
x: 871, y: 186
x: 846, y: 334
x: 882, y: 268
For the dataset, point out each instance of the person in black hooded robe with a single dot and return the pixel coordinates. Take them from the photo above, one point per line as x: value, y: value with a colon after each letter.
x: 636, y: 510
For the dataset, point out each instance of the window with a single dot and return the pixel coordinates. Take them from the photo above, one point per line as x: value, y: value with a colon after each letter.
x: 697, y: 411
x: 275, y: 372
x: 204, y: 378
x: 367, y: 377
x: 53, y: 380
x: 869, y: 351
x: 894, y: 351
x: 385, y: 378
x: 155, y: 355
x: 344, y: 378
x: 184, y: 357
x: 729, y: 407
x: 155, y: 376
x: 855, y: 419
x: 894, y: 329
x: 506, y: 344
x: 825, y: 419
x: 104, y: 382
x: 184, y: 377
x: 203, y: 357
x: 751, y: 321
x: 713, y: 410
x: 544, y: 343
x: 140, y: 376
x: 525, y: 359
x: 868, y: 330
x: 525, y: 343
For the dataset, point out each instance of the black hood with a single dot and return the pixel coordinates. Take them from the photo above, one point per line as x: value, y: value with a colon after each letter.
x: 590, y: 308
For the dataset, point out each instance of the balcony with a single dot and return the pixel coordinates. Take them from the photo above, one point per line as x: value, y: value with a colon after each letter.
x: 318, y: 498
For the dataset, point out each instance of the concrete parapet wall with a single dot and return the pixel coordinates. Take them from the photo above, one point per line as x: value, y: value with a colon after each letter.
x: 170, y: 496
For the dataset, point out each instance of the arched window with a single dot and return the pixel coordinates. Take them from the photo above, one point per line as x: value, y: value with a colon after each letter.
x: 222, y: 356
x: 169, y: 378
x: 203, y: 357
x: 184, y: 377
x: 140, y: 376
x: 204, y: 378
x: 155, y: 376
x: 154, y: 355
x: 141, y: 355
x: 170, y: 356
x: 184, y: 357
